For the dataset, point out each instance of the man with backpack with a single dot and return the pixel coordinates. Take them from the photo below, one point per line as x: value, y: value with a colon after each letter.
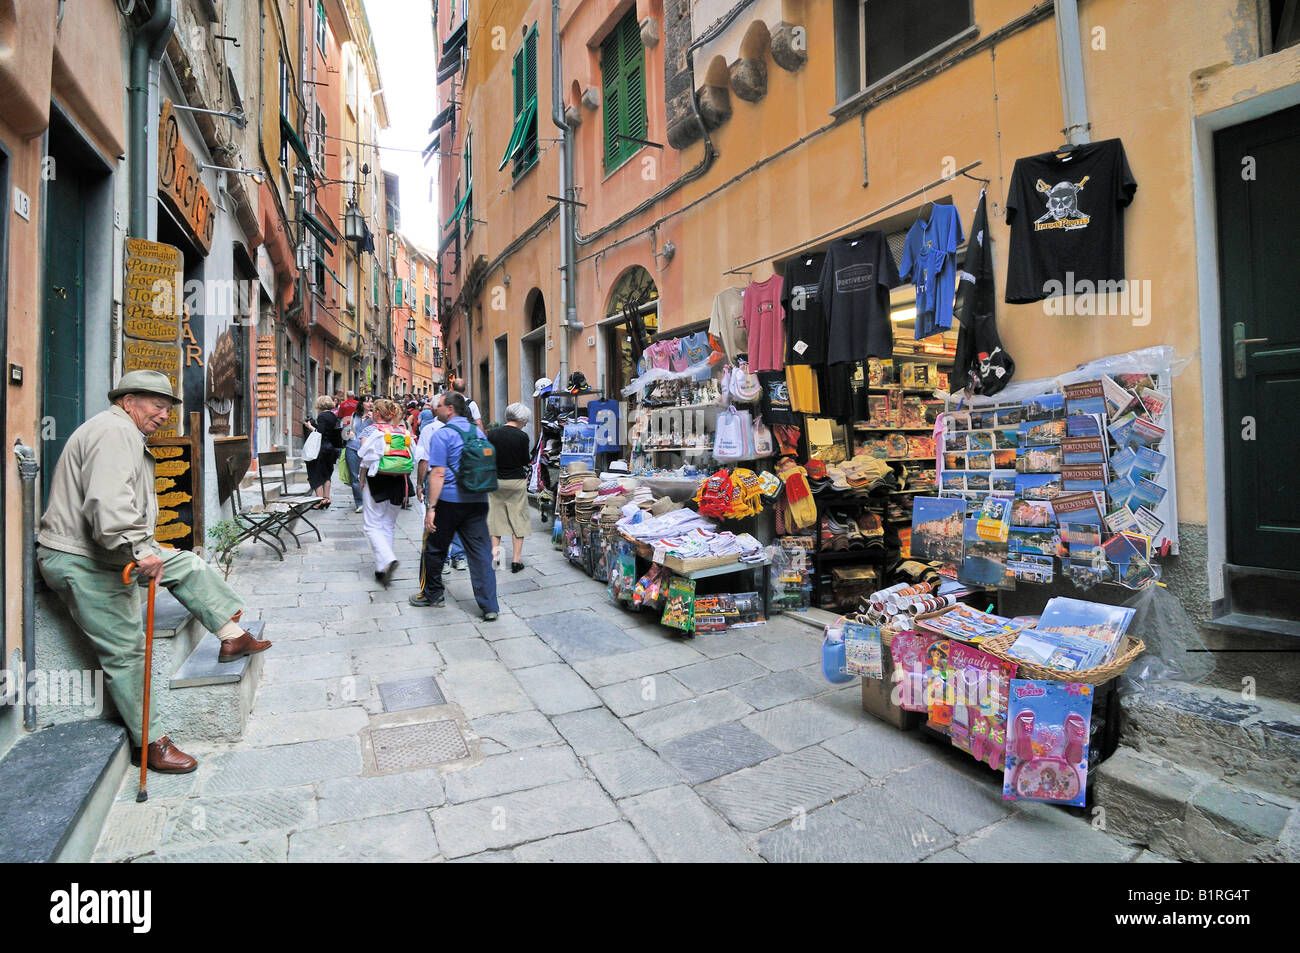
x: 462, y: 471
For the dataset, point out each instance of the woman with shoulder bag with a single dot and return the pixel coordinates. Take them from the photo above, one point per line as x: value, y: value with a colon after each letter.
x: 362, y: 421
x: 386, y: 458
x: 321, y: 470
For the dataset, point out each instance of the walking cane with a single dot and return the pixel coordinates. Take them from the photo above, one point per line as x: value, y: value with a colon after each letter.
x: 142, y: 794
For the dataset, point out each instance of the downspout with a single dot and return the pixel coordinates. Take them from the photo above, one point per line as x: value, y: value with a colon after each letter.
x: 568, y: 287
x: 28, y: 470
x: 1074, y: 101
x: 146, y: 47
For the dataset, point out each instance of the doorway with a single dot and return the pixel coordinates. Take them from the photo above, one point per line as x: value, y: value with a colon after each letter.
x: 501, y: 396
x: 1258, y: 199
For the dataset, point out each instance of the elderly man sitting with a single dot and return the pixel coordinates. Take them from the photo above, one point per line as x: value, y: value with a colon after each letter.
x: 101, y: 514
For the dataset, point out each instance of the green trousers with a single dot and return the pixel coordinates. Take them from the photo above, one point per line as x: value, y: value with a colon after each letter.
x: 109, y: 613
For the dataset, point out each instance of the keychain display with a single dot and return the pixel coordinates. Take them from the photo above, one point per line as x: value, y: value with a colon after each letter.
x: 1047, y: 741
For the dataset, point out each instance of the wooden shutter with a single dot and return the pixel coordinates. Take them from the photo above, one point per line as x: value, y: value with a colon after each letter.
x: 612, y: 98
x: 632, y: 63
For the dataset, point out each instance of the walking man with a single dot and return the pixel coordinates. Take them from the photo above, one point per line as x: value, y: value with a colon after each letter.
x: 451, y: 510
x: 101, y: 515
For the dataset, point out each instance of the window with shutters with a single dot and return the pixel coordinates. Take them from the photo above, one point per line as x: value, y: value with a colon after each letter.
x: 622, y: 73
x: 522, y: 147
x: 321, y: 32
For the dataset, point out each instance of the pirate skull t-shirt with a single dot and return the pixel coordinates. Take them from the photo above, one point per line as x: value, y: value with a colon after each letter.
x: 1065, y: 211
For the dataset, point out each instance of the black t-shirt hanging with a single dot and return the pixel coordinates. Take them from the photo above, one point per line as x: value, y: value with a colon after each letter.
x: 854, y: 293
x: 805, y: 325
x: 1066, y: 221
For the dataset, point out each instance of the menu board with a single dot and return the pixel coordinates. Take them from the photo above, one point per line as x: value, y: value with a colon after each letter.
x: 268, y: 400
x: 152, y: 320
x: 177, y: 473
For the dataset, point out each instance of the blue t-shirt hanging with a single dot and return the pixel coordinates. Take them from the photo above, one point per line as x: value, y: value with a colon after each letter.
x: 929, y: 259
x: 603, y: 415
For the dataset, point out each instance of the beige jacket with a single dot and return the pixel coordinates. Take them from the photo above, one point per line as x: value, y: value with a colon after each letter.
x: 102, y: 502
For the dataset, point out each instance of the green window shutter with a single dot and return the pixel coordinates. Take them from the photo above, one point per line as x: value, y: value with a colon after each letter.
x: 397, y: 294
x: 612, y: 98
x: 528, y: 154
x: 517, y: 74
x: 632, y: 63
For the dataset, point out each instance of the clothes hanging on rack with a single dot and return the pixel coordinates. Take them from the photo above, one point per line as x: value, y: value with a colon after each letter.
x: 764, y: 325
x: 727, y: 323
x: 981, y: 366
x: 930, y: 261
x: 854, y: 293
x: 805, y: 323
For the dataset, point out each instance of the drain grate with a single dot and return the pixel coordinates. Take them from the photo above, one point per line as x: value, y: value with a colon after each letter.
x: 417, y: 746
x: 411, y: 693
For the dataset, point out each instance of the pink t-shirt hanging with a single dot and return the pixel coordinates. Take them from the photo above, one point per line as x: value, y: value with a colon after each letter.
x: 764, y: 324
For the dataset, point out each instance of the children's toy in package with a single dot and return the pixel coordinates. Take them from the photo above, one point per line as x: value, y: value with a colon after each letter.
x: 908, y: 653
x: 981, y: 684
x: 1047, y: 741
x: 862, y: 650
x: 938, y: 673
x: 679, y: 604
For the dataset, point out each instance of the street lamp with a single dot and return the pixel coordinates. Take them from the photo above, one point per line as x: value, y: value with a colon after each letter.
x: 354, y: 223
x: 304, y: 256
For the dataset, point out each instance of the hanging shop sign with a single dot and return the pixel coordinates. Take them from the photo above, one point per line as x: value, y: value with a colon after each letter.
x: 268, y: 393
x: 179, y: 182
x: 232, y: 457
x: 223, y: 383
x: 151, y: 324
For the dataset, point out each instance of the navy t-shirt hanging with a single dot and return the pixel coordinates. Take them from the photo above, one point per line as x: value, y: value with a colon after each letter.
x: 805, y: 324
x: 1066, y: 219
x: 854, y: 293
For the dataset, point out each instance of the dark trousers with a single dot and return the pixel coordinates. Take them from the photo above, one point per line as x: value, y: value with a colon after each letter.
x: 469, y: 521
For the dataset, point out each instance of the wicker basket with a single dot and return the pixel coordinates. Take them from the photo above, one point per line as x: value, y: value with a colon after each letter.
x: 1132, y: 648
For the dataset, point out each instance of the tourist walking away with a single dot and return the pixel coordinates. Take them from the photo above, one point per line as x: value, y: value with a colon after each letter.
x: 456, y: 554
x: 362, y: 421
x: 321, y: 470
x: 387, y: 461
x: 458, y: 385
x: 508, y: 503
x: 462, y: 471
x: 101, y: 514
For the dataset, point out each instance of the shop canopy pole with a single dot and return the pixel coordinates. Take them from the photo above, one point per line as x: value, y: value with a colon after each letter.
x: 857, y: 221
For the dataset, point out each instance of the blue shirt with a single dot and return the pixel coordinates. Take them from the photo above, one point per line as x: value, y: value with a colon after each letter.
x: 444, y: 451
x: 426, y: 416
x: 929, y: 259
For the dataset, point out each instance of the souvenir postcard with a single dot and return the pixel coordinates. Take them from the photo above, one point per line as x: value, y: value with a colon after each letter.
x: 1118, y: 400
x: 1145, y: 434
x: 1147, y: 494
x: 1045, y: 407
x: 1038, y: 486
x: 979, y: 461
x: 1085, y: 398
x: 1009, y: 416
x: 1041, y: 433
x: 1079, y: 451
x: 1003, y: 482
x: 1148, y: 523
x: 1120, y: 491
x: 1133, y: 383
x: 1120, y: 520
x: 1039, y: 459
x: 1147, y: 462
x: 1153, y: 402
x: 976, y: 480
x: 1037, y: 541
x: 1065, y: 616
x: 1077, y: 478
x: 1006, y: 439
x: 956, y: 420
x: 955, y: 441
x: 1085, y: 425
x: 984, y: 562
x: 980, y: 440
x: 1036, y: 513
x: 982, y: 420
x: 1026, y: 567
x: 1123, y: 462
x: 954, y: 461
x: 937, y: 526
x: 1004, y: 458
x: 1120, y: 429
x: 953, y: 480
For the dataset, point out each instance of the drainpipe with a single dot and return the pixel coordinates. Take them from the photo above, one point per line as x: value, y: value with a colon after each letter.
x: 146, y: 47
x: 1074, y: 102
x: 28, y: 470
x: 568, y: 254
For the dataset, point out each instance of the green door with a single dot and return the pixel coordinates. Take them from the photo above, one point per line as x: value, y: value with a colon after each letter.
x: 1259, y: 260
x: 63, y: 380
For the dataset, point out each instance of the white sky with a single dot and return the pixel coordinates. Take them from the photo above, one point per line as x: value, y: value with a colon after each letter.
x: 403, y: 34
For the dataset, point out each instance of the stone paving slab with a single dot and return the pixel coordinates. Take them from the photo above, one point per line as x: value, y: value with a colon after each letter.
x: 722, y: 644
x: 398, y: 660
x: 306, y: 726
x: 524, y: 729
x: 787, y: 654
x: 625, y: 666
x: 467, y: 650
x: 483, y: 688
x: 778, y: 688
x: 304, y: 669
x: 437, y: 634
x: 282, y: 766
x: 524, y: 652
x: 703, y: 677
x: 631, y: 771
x: 556, y: 689
x: 351, y: 798
x: 1044, y: 833
x: 131, y: 832
x: 594, y: 731
x: 870, y: 827
x: 611, y: 844
x: 383, y: 610
x: 959, y: 799
x: 776, y: 790
x: 660, y: 725
x: 290, y: 697
x: 205, y: 820
x: 512, y: 819
x: 879, y: 750
x: 704, y: 755
x: 643, y: 694
x: 579, y: 635
x: 270, y: 849
x: 392, y: 838
x: 798, y: 724
x: 515, y: 771
x: 680, y: 828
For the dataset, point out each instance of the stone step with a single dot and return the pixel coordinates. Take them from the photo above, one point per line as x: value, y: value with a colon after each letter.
x: 1248, y: 741
x: 1272, y: 593
x: 203, y: 667
x: 208, y: 700
x: 1242, y: 623
x: 1191, y: 815
x: 56, y: 786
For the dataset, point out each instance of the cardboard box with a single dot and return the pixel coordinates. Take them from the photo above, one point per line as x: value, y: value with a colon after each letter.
x: 876, y: 697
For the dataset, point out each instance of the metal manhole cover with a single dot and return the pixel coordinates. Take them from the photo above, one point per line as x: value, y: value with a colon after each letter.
x: 411, y: 693
x: 417, y: 746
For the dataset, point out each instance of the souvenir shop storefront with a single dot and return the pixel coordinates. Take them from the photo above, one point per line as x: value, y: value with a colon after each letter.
x: 848, y: 434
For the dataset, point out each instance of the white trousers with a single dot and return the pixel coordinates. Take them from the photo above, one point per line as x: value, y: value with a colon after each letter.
x: 380, y: 523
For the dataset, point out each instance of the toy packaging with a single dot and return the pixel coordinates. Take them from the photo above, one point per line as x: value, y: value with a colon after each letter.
x: 938, y: 673
x: 1047, y: 741
x: 862, y: 650
x: 981, y: 684
x: 622, y: 571
x: 908, y: 653
x: 679, y: 604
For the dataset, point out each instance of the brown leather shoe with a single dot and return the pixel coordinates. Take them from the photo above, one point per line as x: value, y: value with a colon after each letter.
x: 237, y: 648
x: 166, y: 758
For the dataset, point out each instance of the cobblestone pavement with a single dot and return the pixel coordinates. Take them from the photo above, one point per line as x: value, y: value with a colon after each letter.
x: 577, y: 731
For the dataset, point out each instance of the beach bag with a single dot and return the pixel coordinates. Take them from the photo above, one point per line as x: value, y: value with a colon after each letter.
x: 344, y: 473
x: 745, y: 384
x: 398, y: 458
x: 477, y: 472
x: 730, y: 439
x: 764, y: 445
x: 311, y: 446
